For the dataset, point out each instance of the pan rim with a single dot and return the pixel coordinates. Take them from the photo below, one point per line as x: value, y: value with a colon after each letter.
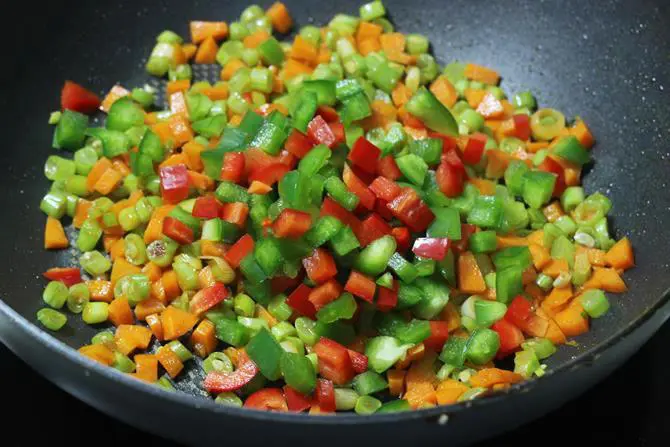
x: 583, y: 359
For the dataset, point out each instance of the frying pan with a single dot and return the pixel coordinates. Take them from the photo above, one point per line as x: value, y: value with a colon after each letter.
x: 606, y: 61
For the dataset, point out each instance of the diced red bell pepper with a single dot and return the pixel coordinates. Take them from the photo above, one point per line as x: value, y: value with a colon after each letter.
x: 329, y: 207
x: 236, y: 213
x: 448, y: 143
x: 453, y: 159
x: 439, y: 333
x: 296, y: 401
x: 461, y: 245
x: 449, y: 179
x: 177, y: 231
x: 384, y: 188
x: 551, y: 165
x: 67, y: 275
x: 334, y: 361
x: 206, y: 207
x: 299, y: 301
x: 287, y: 158
x: 325, y: 395
x: 75, y: 97
x: 518, y: 311
x: 387, y: 167
x: 174, y: 182
x: 232, y: 169
x: 219, y: 382
x: 510, y: 336
x: 324, y: 294
x: 387, y: 299
x: 359, y: 362
x: 410, y: 210
x: 361, y: 286
x: 256, y: 158
x: 320, y: 132
x: 371, y: 229
x: 522, y: 126
x: 207, y: 298
x: 329, y: 114
x: 269, y: 399
x: 338, y: 132
x: 381, y: 208
x: 402, y: 237
x: 358, y: 187
x: 365, y: 155
x: 431, y: 247
x: 291, y: 224
x: 320, y: 266
x: 474, y: 148
x: 269, y: 174
x: 239, y: 250
x: 298, y: 144
x: 281, y: 284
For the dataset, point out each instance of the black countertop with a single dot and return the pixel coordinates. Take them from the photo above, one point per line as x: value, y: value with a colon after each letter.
x: 614, y: 411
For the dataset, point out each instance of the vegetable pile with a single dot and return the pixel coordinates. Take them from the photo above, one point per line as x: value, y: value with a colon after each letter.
x: 340, y: 223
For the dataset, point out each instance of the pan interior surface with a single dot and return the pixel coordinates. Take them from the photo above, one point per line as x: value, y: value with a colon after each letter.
x: 606, y: 63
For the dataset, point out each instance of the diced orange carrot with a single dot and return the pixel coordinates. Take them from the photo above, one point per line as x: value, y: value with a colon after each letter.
x: 511, y: 241
x: 572, y: 320
x: 189, y: 50
x: 620, y: 256
x: 448, y: 391
x: 485, y: 187
x: 474, y: 97
x: 154, y: 229
x: 146, y: 367
x: 479, y: 73
x: 181, y: 130
x: 177, y: 102
x: 170, y: 284
x: 206, y: 53
x: 121, y: 268
x: 536, y: 237
x: 202, y: 30
x: 452, y: 316
x: 279, y: 17
x: 582, y: 132
x: 553, y: 211
x: 118, y: 249
x: 490, y: 107
x: 488, y: 377
x: 154, y: 323
x: 231, y: 68
x: 541, y: 256
x: 169, y: 361
x: 99, y: 168
x: 81, y: 212
x: 497, y: 162
x: 54, y: 235
x: 148, y: 307
x: 257, y: 187
x: 100, y: 290
x: 115, y: 93
x: 255, y: 39
x: 607, y: 279
x: 120, y: 166
x: 163, y: 131
x: 120, y: 313
x: 369, y: 31
x: 555, y: 267
x: 444, y: 91
x: 201, y: 181
x: 100, y: 353
x: 534, y: 146
x: 557, y: 299
x: 175, y: 159
x: 304, y: 51
x: 293, y: 68
x: 176, y: 322
x: 396, y: 380
x: 152, y: 271
x: 470, y: 279
x: 129, y: 337
x: 173, y: 87
x: 107, y: 181
x: 400, y: 94
x: 216, y: 92
x: 203, y: 339
x: 420, y: 381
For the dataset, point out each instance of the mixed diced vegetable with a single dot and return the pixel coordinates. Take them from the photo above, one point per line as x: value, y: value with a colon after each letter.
x: 338, y: 224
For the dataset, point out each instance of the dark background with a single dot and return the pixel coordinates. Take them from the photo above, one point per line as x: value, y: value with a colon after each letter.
x: 628, y: 408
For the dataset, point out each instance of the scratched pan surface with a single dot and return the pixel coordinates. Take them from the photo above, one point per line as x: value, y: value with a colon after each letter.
x: 604, y: 61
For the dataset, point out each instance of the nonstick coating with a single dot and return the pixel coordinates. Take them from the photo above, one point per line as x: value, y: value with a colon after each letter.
x: 604, y: 61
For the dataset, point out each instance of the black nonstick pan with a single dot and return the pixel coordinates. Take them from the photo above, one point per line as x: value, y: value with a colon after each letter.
x: 606, y: 61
